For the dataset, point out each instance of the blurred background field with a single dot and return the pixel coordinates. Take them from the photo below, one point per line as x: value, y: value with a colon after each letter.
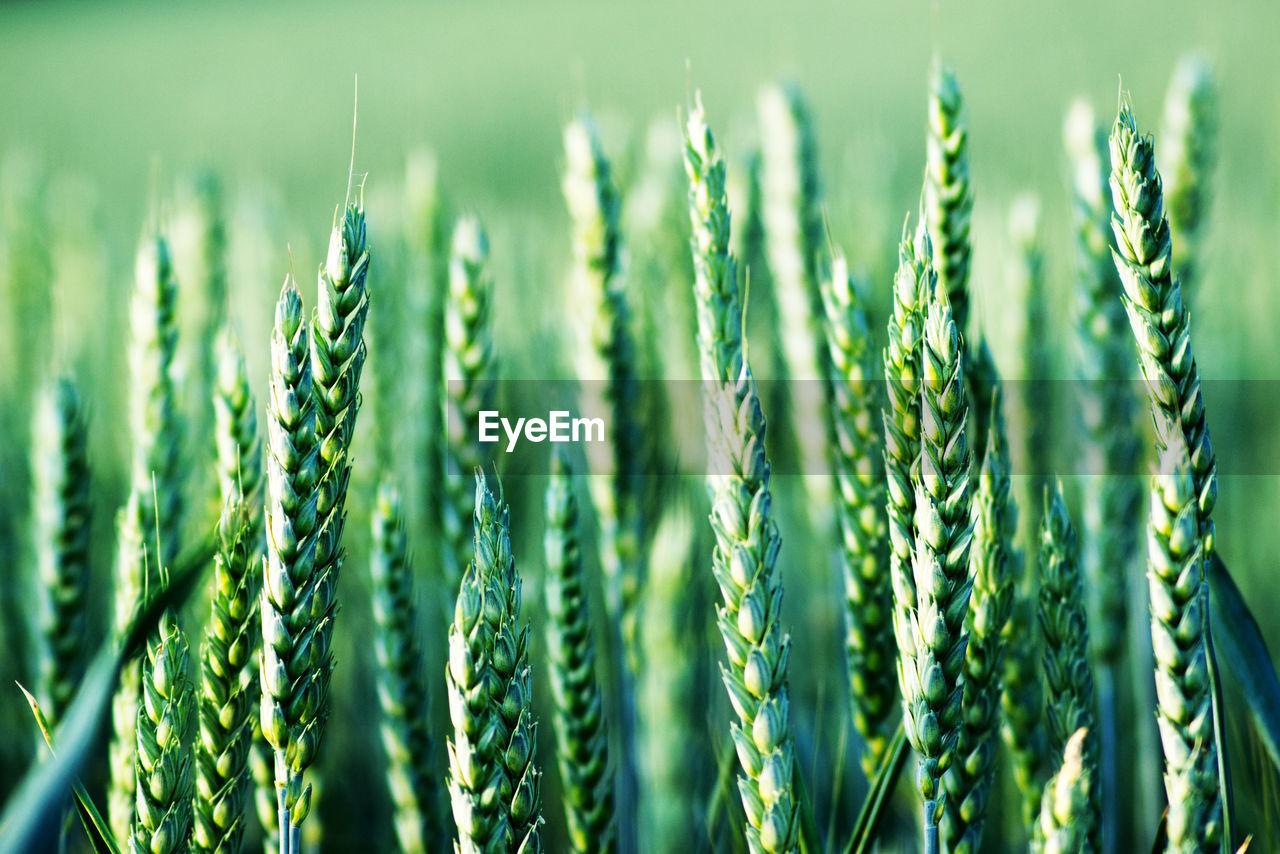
x: 106, y: 108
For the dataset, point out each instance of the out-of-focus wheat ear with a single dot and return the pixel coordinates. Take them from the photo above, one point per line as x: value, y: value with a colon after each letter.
x: 147, y: 528
x: 1068, y: 678
x: 948, y: 195
x: 969, y: 781
x: 402, y: 690
x: 1188, y: 143
x: 858, y: 455
x: 1109, y: 448
x: 791, y: 212
x: 581, y: 747
x: 1033, y: 398
x: 60, y: 533
x: 744, y: 562
x: 468, y: 385
x: 607, y: 364
x: 1068, y: 804
x: 1179, y: 634
x: 426, y: 255
x: 165, y: 726
x: 674, y: 752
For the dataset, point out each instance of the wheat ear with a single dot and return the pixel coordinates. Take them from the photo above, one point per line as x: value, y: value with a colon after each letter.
x: 970, y: 779
x: 61, y: 515
x: 581, y: 748
x: 166, y: 722
x: 858, y: 455
x: 403, y: 699
x: 148, y: 525
x: 1179, y: 634
x: 1065, y: 809
x: 747, y: 541
x: 1188, y: 137
x: 468, y: 366
x: 1067, y: 676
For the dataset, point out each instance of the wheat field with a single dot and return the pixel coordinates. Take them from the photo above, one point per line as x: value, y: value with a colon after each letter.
x: 594, y: 429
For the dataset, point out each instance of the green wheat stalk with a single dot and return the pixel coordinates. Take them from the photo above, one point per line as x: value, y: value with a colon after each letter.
x: 403, y: 698
x: 1066, y: 809
x: 153, y: 510
x: 970, y: 780
x: 295, y: 662
x: 1179, y: 634
x: 468, y: 375
x: 745, y: 557
x: 870, y: 648
x: 165, y: 725
x: 494, y: 785
x: 1161, y: 325
x: 1067, y: 676
x: 1188, y: 138
x: 60, y: 533
x: 581, y: 748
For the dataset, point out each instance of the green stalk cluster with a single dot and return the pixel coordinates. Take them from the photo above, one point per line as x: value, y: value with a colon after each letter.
x: 1067, y: 676
x: 1188, y: 138
x: 165, y: 725
x: 402, y: 692
x: 60, y: 516
x: 858, y: 454
x: 1179, y: 634
x: 494, y: 785
x: 1066, y: 808
x: 153, y: 511
x: 295, y: 655
x: 745, y: 558
x: 468, y: 367
x: 948, y: 196
x: 581, y: 747
x: 969, y: 782
x: 932, y: 603
x: 608, y: 359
